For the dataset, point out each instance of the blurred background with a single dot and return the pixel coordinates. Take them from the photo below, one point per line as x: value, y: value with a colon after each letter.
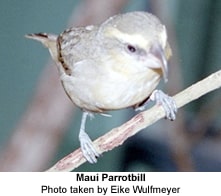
x: 38, y: 123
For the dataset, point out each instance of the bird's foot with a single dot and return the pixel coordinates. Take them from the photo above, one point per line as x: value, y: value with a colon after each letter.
x: 87, y: 148
x: 166, y: 102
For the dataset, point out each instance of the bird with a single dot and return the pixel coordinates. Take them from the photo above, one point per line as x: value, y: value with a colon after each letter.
x: 111, y: 66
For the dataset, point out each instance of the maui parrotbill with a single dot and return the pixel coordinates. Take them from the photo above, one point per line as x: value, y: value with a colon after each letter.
x: 111, y: 66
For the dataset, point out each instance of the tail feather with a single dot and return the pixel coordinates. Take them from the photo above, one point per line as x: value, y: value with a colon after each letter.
x: 44, y: 38
x: 48, y: 40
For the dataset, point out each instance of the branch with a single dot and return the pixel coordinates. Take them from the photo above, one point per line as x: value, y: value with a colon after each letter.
x: 118, y: 135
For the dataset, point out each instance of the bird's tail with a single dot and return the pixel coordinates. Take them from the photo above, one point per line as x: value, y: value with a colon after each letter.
x: 48, y: 40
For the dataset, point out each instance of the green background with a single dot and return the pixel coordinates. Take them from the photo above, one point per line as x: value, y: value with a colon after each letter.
x: 197, y: 29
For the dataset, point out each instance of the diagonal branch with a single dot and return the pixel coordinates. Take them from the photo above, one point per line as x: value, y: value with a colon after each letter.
x: 118, y: 135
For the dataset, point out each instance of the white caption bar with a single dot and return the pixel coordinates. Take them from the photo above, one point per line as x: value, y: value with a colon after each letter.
x: 108, y: 183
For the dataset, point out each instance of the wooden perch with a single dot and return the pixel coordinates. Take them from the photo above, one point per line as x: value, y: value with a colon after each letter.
x: 118, y: 135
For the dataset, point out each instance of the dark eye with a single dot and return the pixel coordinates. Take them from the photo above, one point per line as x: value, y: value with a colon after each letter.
x: 131, y: 48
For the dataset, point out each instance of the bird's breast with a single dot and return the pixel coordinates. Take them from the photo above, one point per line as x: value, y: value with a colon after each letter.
x: 111, y: 90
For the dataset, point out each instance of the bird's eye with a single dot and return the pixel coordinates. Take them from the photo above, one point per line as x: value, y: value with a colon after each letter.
x: 131, y: 48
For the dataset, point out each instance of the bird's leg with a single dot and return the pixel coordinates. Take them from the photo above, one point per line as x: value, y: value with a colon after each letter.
x: 87, y: 147
x: 165, y: 101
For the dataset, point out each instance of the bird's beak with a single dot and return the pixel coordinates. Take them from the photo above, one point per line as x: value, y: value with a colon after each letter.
x: 156, y: 52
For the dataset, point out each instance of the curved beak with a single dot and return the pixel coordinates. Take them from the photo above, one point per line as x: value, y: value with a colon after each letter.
x: 157, y: 52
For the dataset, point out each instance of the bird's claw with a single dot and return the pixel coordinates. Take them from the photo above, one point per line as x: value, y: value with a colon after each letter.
x: 87, y: 148
x: 166, y: 102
